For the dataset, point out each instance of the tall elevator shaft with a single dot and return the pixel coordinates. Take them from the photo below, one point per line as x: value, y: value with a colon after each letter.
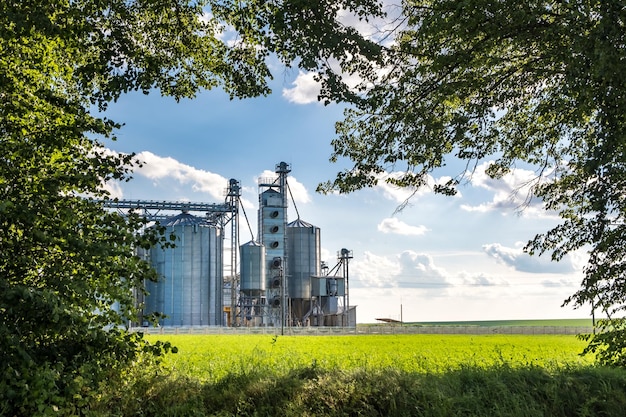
x: 273, y: 204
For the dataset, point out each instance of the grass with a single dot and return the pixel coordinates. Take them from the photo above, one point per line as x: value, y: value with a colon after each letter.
x: 370, y: 375
x: 211, y: 357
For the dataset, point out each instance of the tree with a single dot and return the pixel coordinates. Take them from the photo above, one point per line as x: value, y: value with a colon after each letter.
x: 65, y: 260
x: 540, y: 82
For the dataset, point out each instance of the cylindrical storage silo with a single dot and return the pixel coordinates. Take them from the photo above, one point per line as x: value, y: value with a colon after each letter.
x: 303, y: 256
x: 252, y: 266
x: 190, y: 289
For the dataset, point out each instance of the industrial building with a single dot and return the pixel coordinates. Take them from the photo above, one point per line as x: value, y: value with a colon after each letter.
x: 277, y: 279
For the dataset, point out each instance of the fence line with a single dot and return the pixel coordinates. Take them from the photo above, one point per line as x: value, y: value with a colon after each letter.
x: 364, y: 330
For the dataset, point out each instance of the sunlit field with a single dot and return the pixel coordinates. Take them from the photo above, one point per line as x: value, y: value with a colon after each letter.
x: 429, y: 375
x: 211, y: 357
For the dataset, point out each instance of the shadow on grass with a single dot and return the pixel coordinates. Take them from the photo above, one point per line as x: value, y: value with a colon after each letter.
x: 309, y: 391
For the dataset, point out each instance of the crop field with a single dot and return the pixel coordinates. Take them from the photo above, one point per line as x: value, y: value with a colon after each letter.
x: 212, y: 357
x: 428, y: 375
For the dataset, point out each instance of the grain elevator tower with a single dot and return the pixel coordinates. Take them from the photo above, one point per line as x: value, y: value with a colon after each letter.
x: 272, y: 229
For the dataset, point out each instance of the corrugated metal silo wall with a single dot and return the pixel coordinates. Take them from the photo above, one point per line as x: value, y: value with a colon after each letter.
x: 303, y: 256
x: 190, y: 290
x: 253, y: 276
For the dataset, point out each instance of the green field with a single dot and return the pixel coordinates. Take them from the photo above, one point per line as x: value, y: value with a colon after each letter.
x: 211, y: 357
x: 369, y: 375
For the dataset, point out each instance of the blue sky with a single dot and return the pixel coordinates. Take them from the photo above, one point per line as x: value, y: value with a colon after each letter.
x: 441, y: 258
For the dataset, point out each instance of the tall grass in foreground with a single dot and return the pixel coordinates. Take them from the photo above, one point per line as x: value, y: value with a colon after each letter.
x: 402, y: 375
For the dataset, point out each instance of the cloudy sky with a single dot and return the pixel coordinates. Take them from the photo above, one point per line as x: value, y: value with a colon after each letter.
x: 440, y: 258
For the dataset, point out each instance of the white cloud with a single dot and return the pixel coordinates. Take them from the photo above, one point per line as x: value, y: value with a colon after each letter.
x: 519, y: 260
x: 381, y: 30
x: 430, y: 292
x: 404, y: 194
x: 247, y: 204
x: 328, y: 257
x: 373, y: 270
x: 559, y: 283
x: 399, y: 194
x: 513, y: 192
x: 298, y: 190
x: 409, y: 269
x: 114, y: 189
x: 418, y: 270
x: 159, y: 168
x: 395, y: 226
x: 480, y: 280
x: 305, y: 89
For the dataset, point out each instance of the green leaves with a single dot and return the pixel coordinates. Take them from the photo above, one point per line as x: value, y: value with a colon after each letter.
x: 538, y: 82
x: 65, y: 261
x: 68, y: 269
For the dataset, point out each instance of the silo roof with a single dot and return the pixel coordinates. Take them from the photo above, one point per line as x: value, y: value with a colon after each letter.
x: 252, y: 243
x: 299, y: 223
x: 184, y: 219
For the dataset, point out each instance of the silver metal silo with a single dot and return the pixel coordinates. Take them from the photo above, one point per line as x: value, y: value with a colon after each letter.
x: 191, y: 285
x: 253, y: 277
x: 303, y: 256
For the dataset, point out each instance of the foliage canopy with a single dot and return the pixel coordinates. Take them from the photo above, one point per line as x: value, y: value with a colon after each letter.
x: 65, y: 260
x: 539, y: 82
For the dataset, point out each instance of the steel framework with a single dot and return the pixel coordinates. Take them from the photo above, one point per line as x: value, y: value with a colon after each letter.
x: 218, y: 214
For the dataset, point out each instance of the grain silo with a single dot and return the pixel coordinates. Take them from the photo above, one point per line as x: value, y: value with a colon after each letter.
x: 253, y: 278
x: 189, y: 292
x: 252, y: 283
x: 304, y: 261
